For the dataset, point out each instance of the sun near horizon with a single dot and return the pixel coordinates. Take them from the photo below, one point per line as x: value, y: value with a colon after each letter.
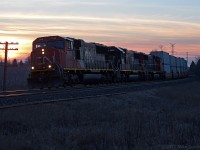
x: 23, y: 46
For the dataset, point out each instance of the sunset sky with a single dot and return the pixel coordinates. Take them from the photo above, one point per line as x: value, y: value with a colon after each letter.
x: 140, y: 25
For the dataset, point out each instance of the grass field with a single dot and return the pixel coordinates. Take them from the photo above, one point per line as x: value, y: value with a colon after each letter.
x: 164, y: 118
x: 16, y: 77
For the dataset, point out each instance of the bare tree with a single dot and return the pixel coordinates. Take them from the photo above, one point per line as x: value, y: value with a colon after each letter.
x: 14, y: 62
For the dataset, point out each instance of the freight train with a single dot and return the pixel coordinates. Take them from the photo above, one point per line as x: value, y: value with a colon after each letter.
x: 57, y: 60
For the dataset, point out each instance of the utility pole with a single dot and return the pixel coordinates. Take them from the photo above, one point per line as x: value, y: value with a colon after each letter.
x: 161, y: 47
x: 172, y: 45
x: 6, y: 44
x: 187, y: 56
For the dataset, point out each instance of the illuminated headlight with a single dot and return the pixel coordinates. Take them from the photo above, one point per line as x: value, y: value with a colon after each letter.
x: 43, y: 51
x: 49, y: 66
x: 32, y: 68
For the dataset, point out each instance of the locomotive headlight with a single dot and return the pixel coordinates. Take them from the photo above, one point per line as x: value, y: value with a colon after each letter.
x: 42, y: 51
x: 32, y: 68
x: 49, y: 66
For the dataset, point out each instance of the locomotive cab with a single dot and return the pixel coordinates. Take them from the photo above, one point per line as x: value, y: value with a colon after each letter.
x: 44, y: 53
x: 47, y: 58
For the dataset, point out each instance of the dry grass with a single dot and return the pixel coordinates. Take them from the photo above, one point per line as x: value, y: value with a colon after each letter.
x: 16, y: 77
x: 165, y: 118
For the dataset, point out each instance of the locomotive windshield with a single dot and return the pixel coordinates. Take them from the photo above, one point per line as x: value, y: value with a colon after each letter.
x: 40, y: 44
x: 56, y: 44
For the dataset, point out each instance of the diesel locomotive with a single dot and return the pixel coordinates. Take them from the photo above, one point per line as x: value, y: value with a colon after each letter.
x: 57, y: 60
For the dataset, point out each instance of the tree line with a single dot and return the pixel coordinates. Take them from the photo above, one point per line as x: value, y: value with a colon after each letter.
x: 14, y: 63
x: 195, y: 67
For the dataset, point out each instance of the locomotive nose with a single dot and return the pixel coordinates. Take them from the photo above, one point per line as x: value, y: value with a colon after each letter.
x: 42, y: 59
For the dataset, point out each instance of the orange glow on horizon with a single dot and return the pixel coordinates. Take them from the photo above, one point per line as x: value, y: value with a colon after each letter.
x: 23, y: 46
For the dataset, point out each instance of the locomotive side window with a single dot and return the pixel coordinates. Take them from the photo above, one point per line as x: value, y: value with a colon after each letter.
x: 69, y: 45
x: 40, y: 44
x: 56, y: 44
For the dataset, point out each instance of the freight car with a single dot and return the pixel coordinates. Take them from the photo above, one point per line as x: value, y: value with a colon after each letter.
x: 59, y: 60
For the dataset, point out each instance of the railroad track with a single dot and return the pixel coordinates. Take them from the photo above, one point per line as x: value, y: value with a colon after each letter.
x: 18, y: 98
x: 15, y: 93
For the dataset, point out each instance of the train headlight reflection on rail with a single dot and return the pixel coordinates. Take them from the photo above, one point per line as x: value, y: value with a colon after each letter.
x: 32, y: 68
